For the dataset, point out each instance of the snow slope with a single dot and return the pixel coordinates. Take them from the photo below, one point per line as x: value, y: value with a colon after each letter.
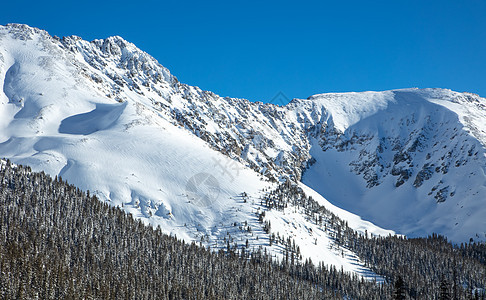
x: 107, y: 117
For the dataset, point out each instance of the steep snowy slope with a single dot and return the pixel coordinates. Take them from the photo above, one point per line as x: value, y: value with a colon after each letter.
x: 107, y: 117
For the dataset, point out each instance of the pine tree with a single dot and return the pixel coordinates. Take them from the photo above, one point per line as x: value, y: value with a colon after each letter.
x: 444, y: 290
x: 399, y: 293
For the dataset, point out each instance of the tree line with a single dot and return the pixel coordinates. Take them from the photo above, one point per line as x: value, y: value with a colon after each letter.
x: 57, y: 241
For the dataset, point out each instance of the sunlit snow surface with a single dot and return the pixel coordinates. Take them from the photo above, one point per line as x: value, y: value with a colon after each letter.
x: 111, y: 133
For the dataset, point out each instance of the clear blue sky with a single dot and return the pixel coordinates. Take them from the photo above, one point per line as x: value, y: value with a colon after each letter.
x: 255, y: 50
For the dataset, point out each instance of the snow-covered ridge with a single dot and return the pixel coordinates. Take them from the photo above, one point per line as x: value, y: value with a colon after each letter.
x: 108, y: 117
x: 341, y: 110
x: 121, y: 61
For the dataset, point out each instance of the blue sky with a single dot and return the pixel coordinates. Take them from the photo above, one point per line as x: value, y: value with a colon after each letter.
x: 255, y: 50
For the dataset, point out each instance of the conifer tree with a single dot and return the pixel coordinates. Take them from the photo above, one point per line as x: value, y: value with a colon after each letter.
x: 444, y: 290
x: 399, y: 293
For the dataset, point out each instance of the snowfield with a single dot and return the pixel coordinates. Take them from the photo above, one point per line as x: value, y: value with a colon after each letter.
x: 108, y: 118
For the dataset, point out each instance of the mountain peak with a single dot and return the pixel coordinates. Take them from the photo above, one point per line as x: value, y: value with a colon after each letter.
x: 121, y: 61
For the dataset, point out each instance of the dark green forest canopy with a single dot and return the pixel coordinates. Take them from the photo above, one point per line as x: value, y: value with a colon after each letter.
x: 58, y: 242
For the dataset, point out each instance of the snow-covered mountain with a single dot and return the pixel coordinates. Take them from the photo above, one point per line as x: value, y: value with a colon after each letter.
x: 413, y: 160
x: 108, y: 117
